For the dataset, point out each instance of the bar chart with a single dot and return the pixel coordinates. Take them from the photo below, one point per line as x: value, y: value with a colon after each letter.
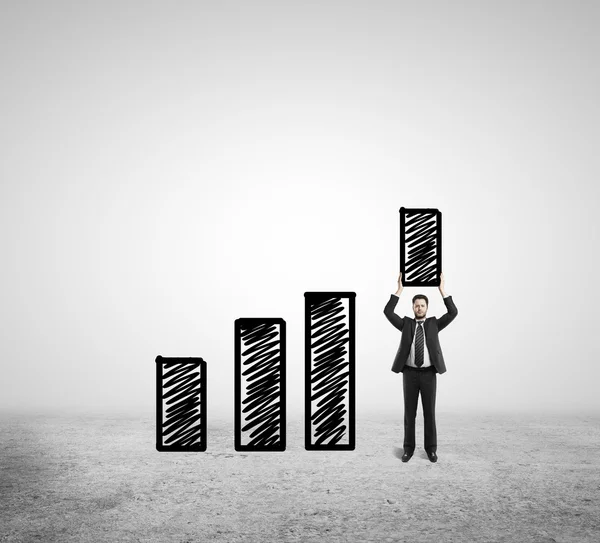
x: 260, y: 383
x: 260, y: 364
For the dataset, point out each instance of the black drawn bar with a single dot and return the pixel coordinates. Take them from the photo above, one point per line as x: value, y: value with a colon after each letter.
x: 180, y: 404
x: 260, y: 400
x: 329, y: 371
x: 420, y: 247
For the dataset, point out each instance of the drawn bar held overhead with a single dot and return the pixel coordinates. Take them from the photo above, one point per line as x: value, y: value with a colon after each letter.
x: 260, y: 400
x: 420, y: 247
x: 180, y: 404
x: 329, y: 370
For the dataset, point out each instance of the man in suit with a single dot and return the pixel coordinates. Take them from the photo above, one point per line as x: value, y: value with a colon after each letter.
x: 419, y: 358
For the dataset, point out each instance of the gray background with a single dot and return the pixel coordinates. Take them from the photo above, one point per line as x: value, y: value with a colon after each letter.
x: 169, y: 167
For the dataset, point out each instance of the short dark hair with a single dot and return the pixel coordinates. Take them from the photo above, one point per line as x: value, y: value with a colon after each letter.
x: 422, y: 297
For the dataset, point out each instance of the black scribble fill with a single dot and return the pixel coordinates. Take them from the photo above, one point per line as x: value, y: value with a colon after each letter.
x: 329, y: 370
x: 180, y: 404
x: 260, y: 403
x: 420, y: 247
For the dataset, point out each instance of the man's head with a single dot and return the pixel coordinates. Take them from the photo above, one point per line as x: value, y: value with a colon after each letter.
x: 420, y: 303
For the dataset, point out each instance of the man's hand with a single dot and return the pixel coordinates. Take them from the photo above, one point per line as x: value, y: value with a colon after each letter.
x: 400, y: 287
x: 441, y: 287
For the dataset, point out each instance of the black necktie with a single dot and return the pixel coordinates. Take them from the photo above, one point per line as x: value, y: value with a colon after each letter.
x: 419, y: 346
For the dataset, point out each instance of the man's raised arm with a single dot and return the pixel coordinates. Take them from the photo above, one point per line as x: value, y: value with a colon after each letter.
x: 450, y: 315
x: 388, y: 310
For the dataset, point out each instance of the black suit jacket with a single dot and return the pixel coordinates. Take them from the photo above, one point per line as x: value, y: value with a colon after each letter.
x: 432, y: 326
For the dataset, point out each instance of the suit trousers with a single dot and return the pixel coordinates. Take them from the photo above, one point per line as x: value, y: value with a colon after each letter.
x: 421, y: 381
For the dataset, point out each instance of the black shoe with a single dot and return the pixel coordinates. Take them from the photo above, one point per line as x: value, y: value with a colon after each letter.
x: 432, y: 456
x: 404, y: 455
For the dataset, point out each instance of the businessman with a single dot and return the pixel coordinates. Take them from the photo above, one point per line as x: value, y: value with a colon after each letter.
x: 419, y: 358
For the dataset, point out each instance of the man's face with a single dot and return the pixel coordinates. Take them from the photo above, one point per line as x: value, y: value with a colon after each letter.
x: 420, y: 308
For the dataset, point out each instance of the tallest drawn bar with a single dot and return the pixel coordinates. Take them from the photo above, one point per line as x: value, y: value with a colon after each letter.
x: 329, y: 370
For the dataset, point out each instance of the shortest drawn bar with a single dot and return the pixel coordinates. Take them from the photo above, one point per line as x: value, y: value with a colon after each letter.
x: 260, y: 414
x: 180, y: 404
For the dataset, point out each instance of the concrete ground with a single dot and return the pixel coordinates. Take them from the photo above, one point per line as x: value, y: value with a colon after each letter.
x: 527, y: 478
